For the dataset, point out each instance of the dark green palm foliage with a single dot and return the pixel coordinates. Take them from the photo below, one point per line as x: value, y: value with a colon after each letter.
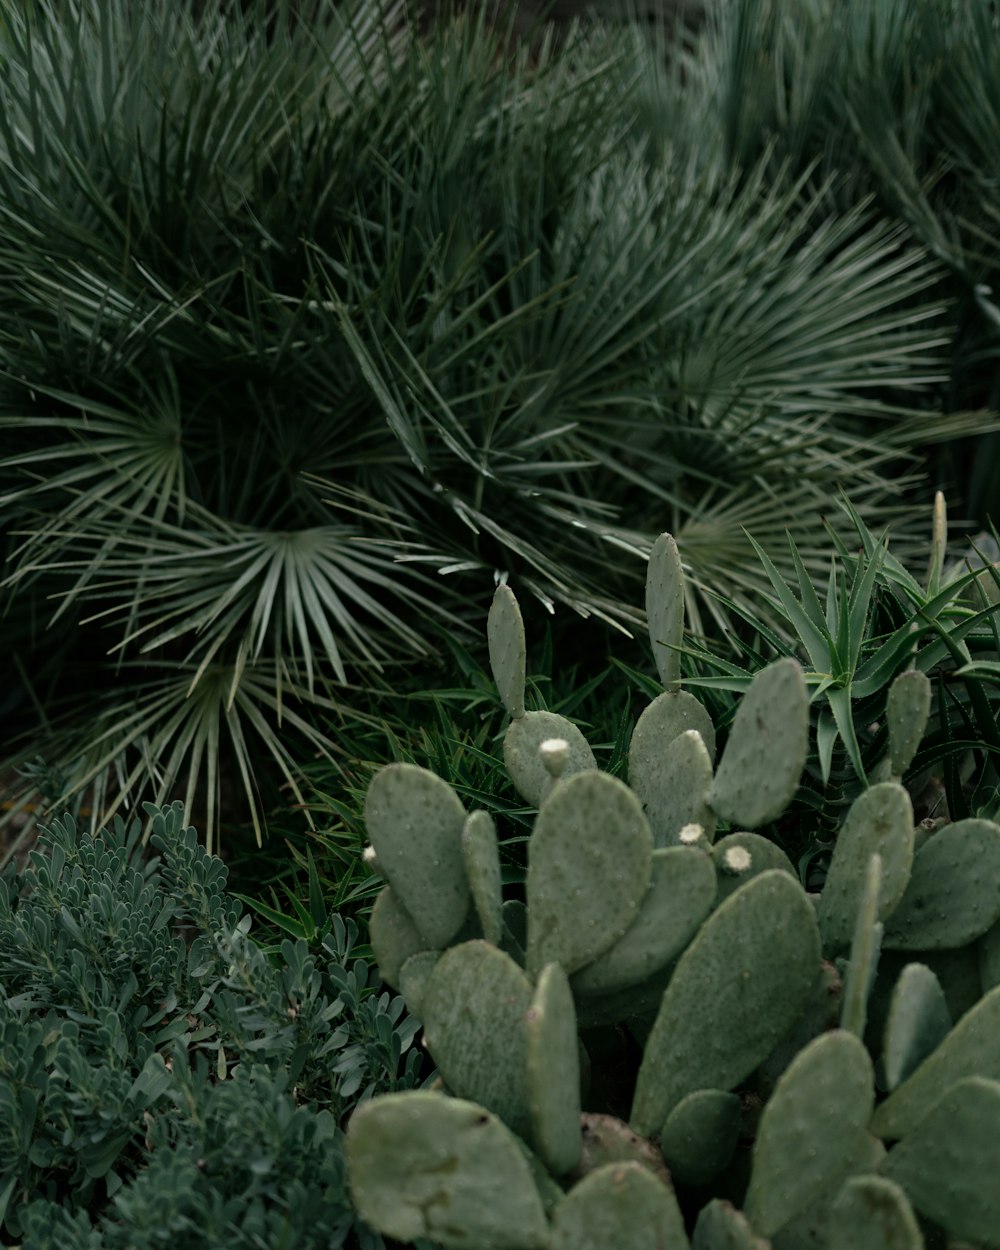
x: 895, y: 100
x: 300, y: 316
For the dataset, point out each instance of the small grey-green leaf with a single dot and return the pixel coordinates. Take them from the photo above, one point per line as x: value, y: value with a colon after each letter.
x: 415, y: 823
x: 766, y: 752
x: 505, y: 634
x: 482, y: 867
x: 665, y: 609
x: 589, y: 868
x: 424, y: 1165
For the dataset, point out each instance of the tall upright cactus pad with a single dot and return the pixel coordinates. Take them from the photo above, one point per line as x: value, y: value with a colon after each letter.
x: 423, y: 1165
x: 970, y: 1049
x: 679, y: 898
x: 481, y: 856
x: 766, y: 752
x: 812, y: 1125
x: 621, y: 1205
x: 415, y: 823
x: 952, y: 896
x: 474, y: 1008
x: 554, y: 1072
x: 508, y: 651
x: 908, y: 706
x: 880, y: 822
x: 665, y: 609
x: 761, y: 977
x: 950, y: 1162
x: 589, y: 868
x: 865, y: 950
x: 873, y: 1213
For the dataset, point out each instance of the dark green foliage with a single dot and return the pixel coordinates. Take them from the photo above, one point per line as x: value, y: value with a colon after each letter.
x: 163, y: 1081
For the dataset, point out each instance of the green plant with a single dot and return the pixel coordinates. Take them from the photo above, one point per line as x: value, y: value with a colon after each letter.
x: 797, y: 1075
x: 299, y: 315
x: 163, y: 1081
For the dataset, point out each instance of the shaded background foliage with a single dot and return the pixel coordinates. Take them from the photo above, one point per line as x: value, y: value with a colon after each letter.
x: 303, y: 313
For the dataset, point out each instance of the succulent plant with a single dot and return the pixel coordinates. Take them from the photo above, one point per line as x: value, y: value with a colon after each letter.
x: 801, y: 1081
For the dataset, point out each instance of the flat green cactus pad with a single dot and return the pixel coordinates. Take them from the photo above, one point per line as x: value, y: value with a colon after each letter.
x: 872, y: 1213
x: 970, y: 1049
x: 766, y: 752
x: 673, y: 786
x: 474, y: 1008
x: 918, y: 1022
x: 665, y: 608
x: 908, y: 706
x: 721, y: 1227
x: 736, y: 990
x: 589, y: 868
x: 739, y: 857
x: 554, y: 1072
x: 425, y: 1165
x: 621, y: 1205
x: 394, y: 936
x: 880, y: 822
x: 812, y: 1124
x: 413, y: 979
x: 952, y: 896
x: 700, y: 1134
x: 415, y: 823
x: 681, y: 895
x: 505, y: 635
x: 482, y: 868
x: 950, y: 1162
x: 659, y: 724
x: 810, y: 1227
x: 522, y: 753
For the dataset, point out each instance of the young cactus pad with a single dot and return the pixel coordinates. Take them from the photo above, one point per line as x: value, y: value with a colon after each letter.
x: 761, y: 975
x: 918, y: 1022
x: 424, y: 1165
x: 525, y: 762
x: 880, y: 822
x: 673, y: 787
x: 766, y: 752
x: 482, y: 867
x: 415, y: 823
x: 665, y: 609
x: 872, y: 1213
x: 908, y: 706
x: 589, y: 868
x: 554, y: 1072
x: 505, y: 635
x: 950, y: 1162
x: 812, y: 1124
x: 721, y: 1227
x: 474, y: 1008
x: 394, y: 936
x: 621, y: 1205
x: 700, y: 1135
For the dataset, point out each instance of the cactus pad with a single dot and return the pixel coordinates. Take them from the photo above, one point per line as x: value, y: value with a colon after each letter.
x: 394, y: 936
x: 917, y: 1023
x: 665, y: 609
x: 589, y: 868
x: 908, y: 706
x: 766, y: 752
x: 522, y: 753
x: 739, y: 857
x: 423, y: 1165
x: 505, y: 635
x: 761, y: 975
x: 474, y: 1006
x: 415, y: 823
x: 621, y: 1205
x: 413, y: 978
x: 672, y: 787
x: 554, y: 1072
x: 812, y: 1124
x: 481, y: 856
x: 872, y: 1213
x: 700, y: 1135
x: 721, y: 1227
x: 681, y: 895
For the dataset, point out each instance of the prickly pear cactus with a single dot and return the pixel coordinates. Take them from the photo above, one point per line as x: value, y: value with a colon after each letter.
x: 809, y: 1071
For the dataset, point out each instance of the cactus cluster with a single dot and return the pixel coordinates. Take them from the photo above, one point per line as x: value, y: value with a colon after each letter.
x: 816, y: 1071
